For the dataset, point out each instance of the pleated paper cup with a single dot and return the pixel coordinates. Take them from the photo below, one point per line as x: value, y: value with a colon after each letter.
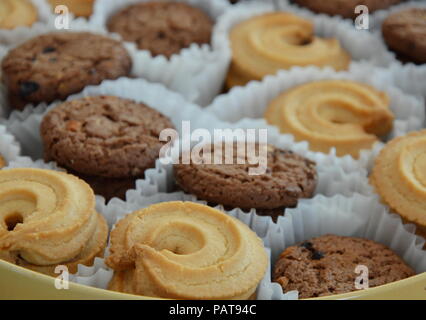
x: 357, y: 216
x: 45, y: 16
x: 25, y: 125
x: 409, y: 77
x: 10, y: 149
x: 196, y: 72
x: 247, y: 105
x: 361, y: 44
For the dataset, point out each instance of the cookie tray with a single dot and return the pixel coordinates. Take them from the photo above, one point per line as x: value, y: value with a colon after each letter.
x: 19, y: 283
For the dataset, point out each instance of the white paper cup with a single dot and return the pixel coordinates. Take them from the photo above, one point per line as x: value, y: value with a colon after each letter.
x: 409, y: 77
x: 45, y: 16
x: 196, y: 72
x: 246, y: 106
x: 361, y: 44
x: 10, y: 149
x: 356, y: 216
x: 25, y: 125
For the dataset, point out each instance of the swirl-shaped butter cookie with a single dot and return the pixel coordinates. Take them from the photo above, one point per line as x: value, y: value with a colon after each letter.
x: 48, y: 218
x: 346, y: 115
x: 399, y: 177
x: 185, y: 250
x: 17, y: 13
x: 270, y: 42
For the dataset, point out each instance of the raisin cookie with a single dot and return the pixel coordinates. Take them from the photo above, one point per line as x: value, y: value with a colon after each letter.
x: 55, y: 65
x: 326, y: 265
x: 163, y: 28
x: 405, y: 34
x: 107, y: 141
x: 287, y: 178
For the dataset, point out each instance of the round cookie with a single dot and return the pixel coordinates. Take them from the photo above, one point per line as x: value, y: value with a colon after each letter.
x: 185, y: 250
x: 346, y: 115
x: 163, y: 28
x: 55, y: 65
x: 288, y: 177
x: 107, y: 141
x: 273, y: 41
x: 405, y: 33
x: 345, y: 8
x: 48, y: 218
x: 326, y: 265
x: 81, y: 8
x: 17, y: 13
x: 398, y: 176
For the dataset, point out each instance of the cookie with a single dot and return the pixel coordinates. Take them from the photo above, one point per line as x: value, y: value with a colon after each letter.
x: 81, y: 8
x: 17, y: 13
x: 346, y: 115
x: 345, y: 8
x: 53, y: 66
x: 326, y: 265
x: 399, y: 178
x: 105, y: 140
x: 288, y: 178
x: 405, y: 33
x: 264, y: 44
x: 48, y: 218
x: 185, y: 250
x: 163, y: 28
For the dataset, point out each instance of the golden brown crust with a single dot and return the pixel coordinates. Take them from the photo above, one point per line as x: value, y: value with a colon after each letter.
x: 17, y: 13
x: 185, y: 250
x: 346, y: 115
x: 82, y: 8
x: 48, y: 218
x: 265, y: 44
x: 399, y: 177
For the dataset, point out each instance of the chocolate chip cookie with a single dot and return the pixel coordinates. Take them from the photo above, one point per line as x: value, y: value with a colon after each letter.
x: 55, y: 65
x: 345, y: 8
x: 288, y: 177
x: 326, y: 266
x: 107, y: 141
x: 163, y: 28
x: 405, y: 33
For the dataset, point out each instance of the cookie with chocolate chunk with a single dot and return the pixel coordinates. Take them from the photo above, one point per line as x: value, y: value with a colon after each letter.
x: 53, y: 66
x: 405, y: 33
x: 107, y: 141
x: 163, y: 28
x: 287, y: 178
x: 326, y: 265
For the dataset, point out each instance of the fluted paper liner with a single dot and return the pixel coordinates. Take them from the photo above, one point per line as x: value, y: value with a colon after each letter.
x: 409, y: 77
x: 9, y: 148
x: 25, y: 125
x: 45, y: 16
x: 352, y: 214
x: 196, y: 72
x: 247, y: 105
x: 361, y: 45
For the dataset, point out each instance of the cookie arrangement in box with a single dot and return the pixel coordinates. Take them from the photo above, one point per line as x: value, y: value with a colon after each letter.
x: 85, y: 182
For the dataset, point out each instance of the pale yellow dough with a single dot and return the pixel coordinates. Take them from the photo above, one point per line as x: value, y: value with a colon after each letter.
x: 184, y: 250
